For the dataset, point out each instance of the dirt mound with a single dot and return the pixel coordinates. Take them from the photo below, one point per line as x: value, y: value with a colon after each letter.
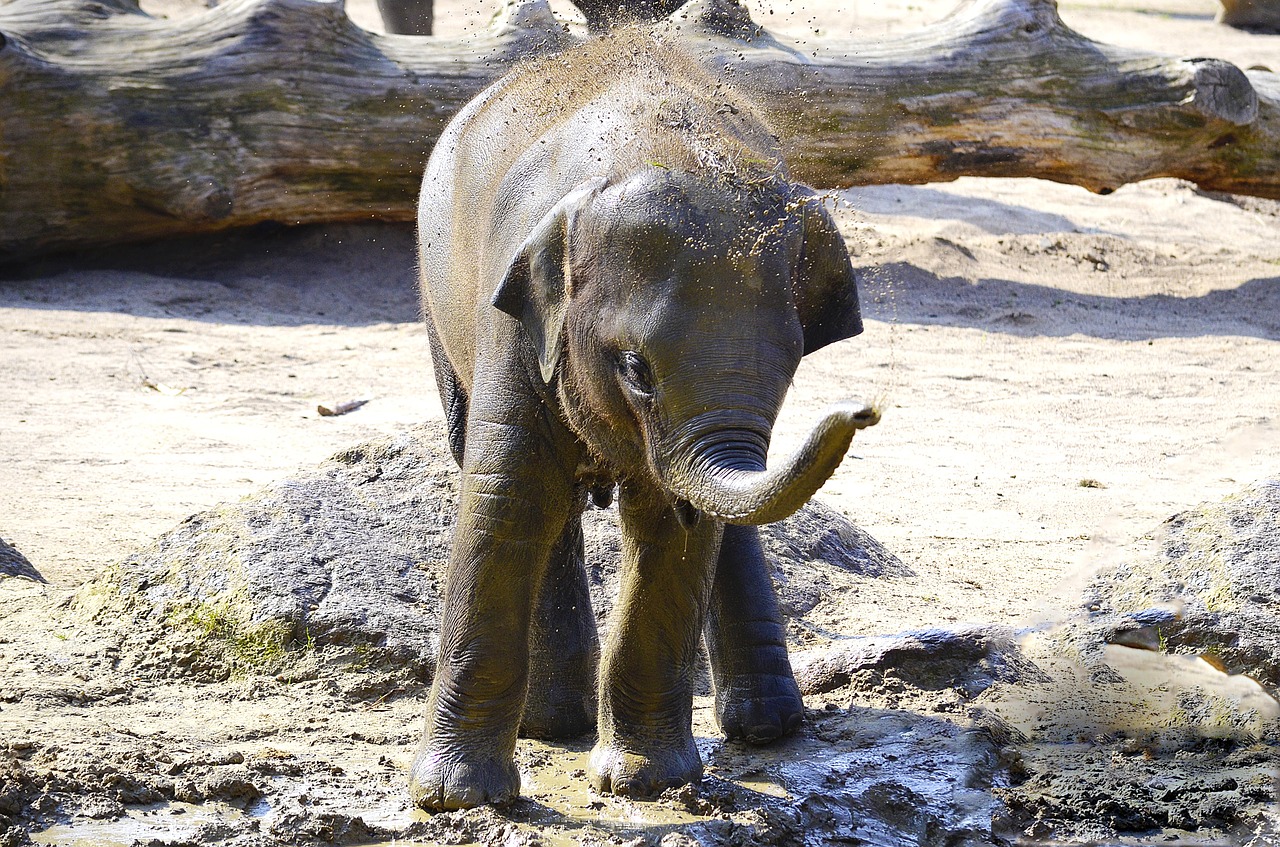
x: 1158, y: 712
x: 338, y: 569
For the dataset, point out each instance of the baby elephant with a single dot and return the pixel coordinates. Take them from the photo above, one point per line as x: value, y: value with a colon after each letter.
x: 619, y: 282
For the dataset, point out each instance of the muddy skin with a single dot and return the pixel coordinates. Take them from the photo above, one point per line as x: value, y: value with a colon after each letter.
x: 618, y: 291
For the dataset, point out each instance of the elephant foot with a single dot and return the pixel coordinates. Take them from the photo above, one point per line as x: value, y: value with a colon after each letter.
x: 559, y: 714
x: 617, y: 770
x: 440, y: 781
x: 760, y: 708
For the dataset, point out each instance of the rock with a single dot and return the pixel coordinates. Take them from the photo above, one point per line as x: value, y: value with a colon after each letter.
x: 807, y: 553
x: 334, y: 566
x: 339, y: 568
x: 1213, y: 589
x: 813, y: 546
x: 13, y: 563
x: 969, y: 659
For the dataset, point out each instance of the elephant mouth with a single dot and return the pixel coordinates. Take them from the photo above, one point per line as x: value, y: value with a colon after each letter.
x: 687, y: 514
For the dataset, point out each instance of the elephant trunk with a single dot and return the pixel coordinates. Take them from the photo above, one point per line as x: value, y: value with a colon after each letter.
x: 726, y: 478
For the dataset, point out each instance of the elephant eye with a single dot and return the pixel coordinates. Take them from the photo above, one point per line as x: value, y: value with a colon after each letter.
x: 635, y: 372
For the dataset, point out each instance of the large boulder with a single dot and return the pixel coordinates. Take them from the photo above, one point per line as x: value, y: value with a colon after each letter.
x: 339, y: 568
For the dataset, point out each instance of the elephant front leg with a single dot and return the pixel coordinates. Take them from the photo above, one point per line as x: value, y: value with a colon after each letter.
x: 647, y: 671
x: 757, y: 699
x: 511, y: 509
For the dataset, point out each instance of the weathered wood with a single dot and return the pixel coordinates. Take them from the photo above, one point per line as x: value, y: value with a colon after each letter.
x: 117, y: 126
x: 1004, y: 88
x: 407, y: 17
x: 120, y: 127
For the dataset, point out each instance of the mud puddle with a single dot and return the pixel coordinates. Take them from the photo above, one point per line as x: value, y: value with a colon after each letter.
x: 164, y: 822
x: 316, y: 775
x: 964, y: 736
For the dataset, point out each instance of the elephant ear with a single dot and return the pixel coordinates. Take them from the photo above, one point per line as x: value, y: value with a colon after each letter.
x: 824, y: 287
x: 535, y: 289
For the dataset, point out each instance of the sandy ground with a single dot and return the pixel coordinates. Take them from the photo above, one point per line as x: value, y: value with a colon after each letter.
x: 1026, y: 336
x: 1059, y: 371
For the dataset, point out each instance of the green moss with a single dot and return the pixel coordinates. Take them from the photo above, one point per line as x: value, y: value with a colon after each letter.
x: 360, y: 658
x: 1218, y: 595
x: 248, y: 647
x: 1177, y: 718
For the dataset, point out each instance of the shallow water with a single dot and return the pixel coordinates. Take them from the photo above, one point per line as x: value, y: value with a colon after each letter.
x: 161, y: 821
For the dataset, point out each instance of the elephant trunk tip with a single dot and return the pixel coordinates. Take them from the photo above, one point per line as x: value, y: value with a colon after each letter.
x: 857, y: 414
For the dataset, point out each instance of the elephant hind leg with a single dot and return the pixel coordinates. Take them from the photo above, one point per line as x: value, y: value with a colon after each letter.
x: 452, y: 395
x: 564, y: 648
x: 406, y: 17
x: 757, y: 699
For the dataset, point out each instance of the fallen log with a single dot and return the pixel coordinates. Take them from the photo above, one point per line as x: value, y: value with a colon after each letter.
x: 1003, y: 88
x: 118, y: 126
x: 121, y: 127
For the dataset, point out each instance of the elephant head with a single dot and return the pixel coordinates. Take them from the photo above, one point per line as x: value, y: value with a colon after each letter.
x: 670, y: 311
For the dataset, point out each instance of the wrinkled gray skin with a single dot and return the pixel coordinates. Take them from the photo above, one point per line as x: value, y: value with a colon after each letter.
x: 619, y: 284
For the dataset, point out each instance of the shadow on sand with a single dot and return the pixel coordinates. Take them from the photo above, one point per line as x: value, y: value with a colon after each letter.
x: 902, y: 292
x: 360, y: 274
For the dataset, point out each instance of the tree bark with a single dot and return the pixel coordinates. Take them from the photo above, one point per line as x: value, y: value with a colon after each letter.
x: 407, y: 17
x: 119, y: 127
x: 122, y: 127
